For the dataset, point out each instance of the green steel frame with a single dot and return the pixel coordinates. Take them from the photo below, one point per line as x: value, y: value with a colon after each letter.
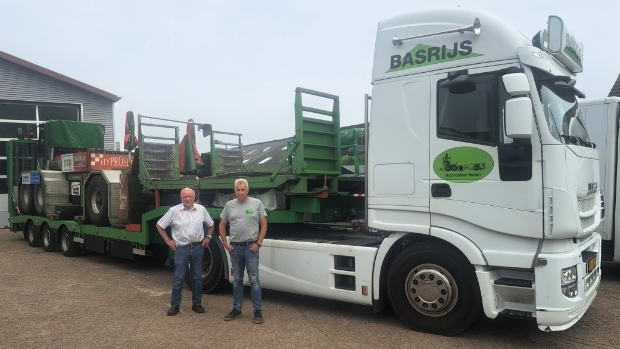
x: 317, y: 151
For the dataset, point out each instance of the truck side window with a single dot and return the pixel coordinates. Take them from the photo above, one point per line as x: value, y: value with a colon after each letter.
x: 514, y: 155
x: 467, y: 112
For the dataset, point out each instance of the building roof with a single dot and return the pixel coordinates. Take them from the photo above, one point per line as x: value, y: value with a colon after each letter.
x: 58, y: 76
x: 615, y: 90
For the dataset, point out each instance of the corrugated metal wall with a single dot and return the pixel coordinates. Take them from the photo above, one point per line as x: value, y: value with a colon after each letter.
x: 23, y: 84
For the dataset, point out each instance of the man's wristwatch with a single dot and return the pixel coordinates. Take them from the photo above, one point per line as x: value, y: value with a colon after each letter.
x: 259, y: 245
x: 209, y: 236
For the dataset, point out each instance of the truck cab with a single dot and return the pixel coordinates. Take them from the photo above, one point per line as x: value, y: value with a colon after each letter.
x: 476, y: 146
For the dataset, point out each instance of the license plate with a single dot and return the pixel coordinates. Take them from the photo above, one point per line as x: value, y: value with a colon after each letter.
x: 592, y: 263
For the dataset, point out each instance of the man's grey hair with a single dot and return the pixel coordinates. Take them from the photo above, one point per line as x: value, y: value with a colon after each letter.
x: 186, y: 189
x: 241, y: 180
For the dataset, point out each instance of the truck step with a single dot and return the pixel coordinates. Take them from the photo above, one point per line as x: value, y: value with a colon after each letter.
x: 514, y: 282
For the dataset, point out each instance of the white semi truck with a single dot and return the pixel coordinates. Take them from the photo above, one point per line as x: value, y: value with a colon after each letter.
x: 600, y: 118
x: 516, y: 238
x: 478, y: 194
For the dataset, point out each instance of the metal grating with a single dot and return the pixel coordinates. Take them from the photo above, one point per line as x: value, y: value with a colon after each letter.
x: 24, y: 159
x: 587, y: 222
x: 586, y: 204
x: 56, y: 189
x: 115, y: 198
x: 227, y: 160
x: 161, y: 161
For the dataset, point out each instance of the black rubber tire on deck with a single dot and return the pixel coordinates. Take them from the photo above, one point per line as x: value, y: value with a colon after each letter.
x: 39, y: 199
x: 25, y: 199
x: 33, y: 234
x: 48, y: 238
x: 97, y: 201
x: 414, y: 277
x: 212, y: 267
x: 68, y: 247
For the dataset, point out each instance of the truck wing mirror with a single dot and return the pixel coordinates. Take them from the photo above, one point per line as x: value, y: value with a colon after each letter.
x: 206, y: 129
x: 516, y: 84
x: 519, y: 117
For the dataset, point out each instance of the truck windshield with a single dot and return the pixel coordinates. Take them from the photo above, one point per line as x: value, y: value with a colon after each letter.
x: 563, y: 114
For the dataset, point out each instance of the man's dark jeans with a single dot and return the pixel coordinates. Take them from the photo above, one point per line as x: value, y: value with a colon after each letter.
x: 183, y: 256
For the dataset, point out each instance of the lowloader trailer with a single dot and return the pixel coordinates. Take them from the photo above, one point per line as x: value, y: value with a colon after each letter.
x: 511, y: 232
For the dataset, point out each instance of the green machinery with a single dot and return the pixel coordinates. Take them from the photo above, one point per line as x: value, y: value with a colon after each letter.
x: 115, y: 209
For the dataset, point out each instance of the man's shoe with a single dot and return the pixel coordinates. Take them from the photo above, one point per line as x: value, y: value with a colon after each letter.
x: 198, y: 308
x: 233, y: 315
x: 173, y: 311
x: 258, y: 317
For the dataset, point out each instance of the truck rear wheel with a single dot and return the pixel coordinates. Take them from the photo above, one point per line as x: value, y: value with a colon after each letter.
x: 212, y: 267
x: 434, y: 289
x: 97, y: 201
x: 33, y: 235
x: 39, y: 200
x: 48, y: 238
x: 26, y: 199
x: 68, y: 247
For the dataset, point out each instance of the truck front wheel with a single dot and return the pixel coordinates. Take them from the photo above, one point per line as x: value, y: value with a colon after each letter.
x: 97, y: 201
x: 434, y: 289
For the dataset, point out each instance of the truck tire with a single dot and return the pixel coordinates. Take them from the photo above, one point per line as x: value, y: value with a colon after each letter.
x: 34, y: 237
x: 97, y: 201
x: 434, y: 289
x: 39, y: 199
x: 212, y: 267
x: 48, y: 238
x: 68, y: 247
x: 26, y: 199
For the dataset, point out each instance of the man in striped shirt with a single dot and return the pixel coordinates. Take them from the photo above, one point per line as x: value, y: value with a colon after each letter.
x: 188, y: 243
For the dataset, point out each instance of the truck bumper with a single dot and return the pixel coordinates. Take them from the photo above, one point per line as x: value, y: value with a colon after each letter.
x: 554, y: 310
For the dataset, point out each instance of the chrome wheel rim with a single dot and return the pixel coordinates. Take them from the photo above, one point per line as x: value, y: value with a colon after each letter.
x: 431, y: 290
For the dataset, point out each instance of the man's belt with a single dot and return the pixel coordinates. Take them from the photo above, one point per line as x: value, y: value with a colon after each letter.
x: 244, y: 243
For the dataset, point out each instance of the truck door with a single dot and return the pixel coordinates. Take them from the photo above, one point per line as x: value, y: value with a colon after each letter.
x: 482, y: 182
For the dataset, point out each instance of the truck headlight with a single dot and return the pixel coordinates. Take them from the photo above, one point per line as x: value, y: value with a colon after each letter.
x: 568, y: 281
x: 569, y: 275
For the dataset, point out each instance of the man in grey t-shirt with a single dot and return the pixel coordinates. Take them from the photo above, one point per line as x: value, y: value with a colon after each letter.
x: 245, y: 215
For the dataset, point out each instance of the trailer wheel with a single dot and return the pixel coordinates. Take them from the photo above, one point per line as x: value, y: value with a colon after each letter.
x: 26, y: 199
x: 434, y: 289
x: 48, y: 238
x: 39, y: 200
x: 212, y: 267
x: 97, y: 201
x: 68, y: 247
x: 34, y: 237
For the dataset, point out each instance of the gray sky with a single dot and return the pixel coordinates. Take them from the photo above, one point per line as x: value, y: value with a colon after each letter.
x: 235, y: 64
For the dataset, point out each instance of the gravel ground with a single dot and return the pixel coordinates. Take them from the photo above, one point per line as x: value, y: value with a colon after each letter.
x: 93, y: 300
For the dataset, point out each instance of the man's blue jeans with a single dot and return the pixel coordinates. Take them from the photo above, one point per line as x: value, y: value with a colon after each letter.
x: 184, y: 255
x: 243, y: 258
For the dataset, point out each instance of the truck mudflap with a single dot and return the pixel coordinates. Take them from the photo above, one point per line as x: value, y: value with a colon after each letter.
x: 559, y: 306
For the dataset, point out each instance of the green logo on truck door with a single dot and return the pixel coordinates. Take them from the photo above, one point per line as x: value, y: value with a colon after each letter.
x: 463, y: 164
x: 422, y: 55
